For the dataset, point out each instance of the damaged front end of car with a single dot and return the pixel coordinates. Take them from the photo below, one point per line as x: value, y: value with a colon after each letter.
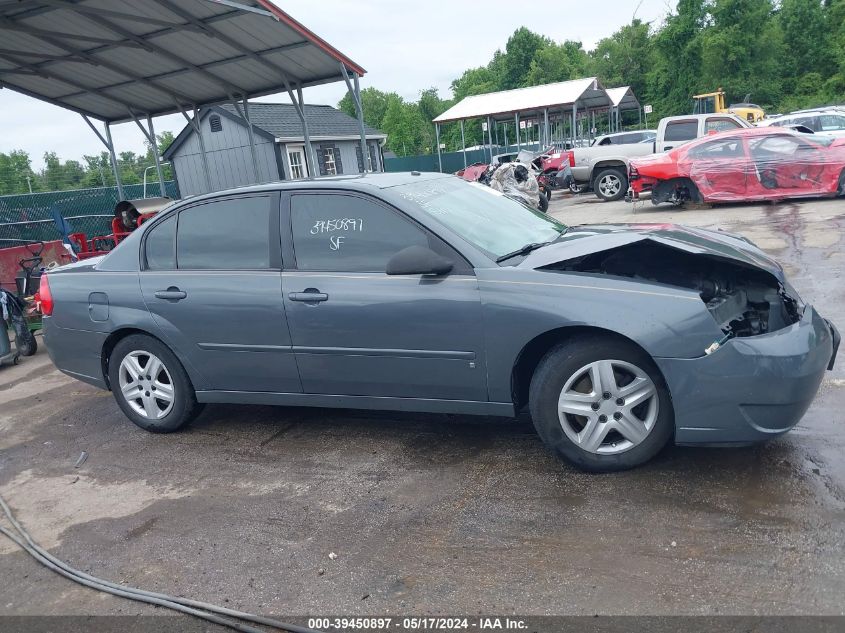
x: 744, y: 301
x: 769, y: 351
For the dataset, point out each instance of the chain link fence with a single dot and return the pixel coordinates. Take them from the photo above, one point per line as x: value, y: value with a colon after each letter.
x: 29, y: 217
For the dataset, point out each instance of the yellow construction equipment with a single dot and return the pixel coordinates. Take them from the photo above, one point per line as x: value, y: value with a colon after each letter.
x: 713, y: 102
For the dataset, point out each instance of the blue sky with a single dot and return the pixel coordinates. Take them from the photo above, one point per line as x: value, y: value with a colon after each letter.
x: 404, y: 46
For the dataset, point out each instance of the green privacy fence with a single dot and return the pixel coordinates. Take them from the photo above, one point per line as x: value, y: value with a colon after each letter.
x: 452, y: 161
x: 29, y: 217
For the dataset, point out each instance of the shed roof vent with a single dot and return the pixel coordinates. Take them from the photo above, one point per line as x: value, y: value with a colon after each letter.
x: 215, y: 123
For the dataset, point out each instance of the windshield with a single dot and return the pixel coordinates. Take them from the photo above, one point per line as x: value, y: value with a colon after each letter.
x: 483, y: 217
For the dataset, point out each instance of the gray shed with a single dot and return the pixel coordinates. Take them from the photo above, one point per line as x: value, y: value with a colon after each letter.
x: 280, y: 146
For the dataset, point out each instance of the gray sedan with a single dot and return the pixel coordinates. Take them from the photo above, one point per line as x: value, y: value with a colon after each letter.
x: 422, y: 292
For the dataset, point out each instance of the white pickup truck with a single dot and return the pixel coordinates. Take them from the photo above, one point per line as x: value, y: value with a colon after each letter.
x: 604, y: 168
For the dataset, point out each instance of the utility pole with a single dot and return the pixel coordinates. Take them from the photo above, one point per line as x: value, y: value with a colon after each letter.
x: 29, y: 182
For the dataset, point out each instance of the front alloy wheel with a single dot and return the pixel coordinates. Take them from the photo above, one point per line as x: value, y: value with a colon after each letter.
x: 608, y: 407
x: 601, y: 403
x: 146, y: 385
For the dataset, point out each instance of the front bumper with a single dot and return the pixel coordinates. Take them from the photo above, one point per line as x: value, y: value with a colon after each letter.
x: 750, y: 389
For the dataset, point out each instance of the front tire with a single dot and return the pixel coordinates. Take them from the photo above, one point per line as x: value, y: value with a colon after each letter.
x: 150, y: 385
x: 601, y: 404
x: 611, y: 184
x: 544, y: 203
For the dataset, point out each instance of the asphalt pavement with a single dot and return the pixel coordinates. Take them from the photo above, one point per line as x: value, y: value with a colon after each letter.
x: 433, y: 514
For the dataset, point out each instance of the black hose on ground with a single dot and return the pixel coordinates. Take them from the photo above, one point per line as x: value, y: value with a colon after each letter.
x: 195, y: 608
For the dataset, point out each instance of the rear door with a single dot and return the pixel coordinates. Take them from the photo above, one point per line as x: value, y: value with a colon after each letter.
x: 358, y: 331
x: 211, y: 277
x: 787, y: 165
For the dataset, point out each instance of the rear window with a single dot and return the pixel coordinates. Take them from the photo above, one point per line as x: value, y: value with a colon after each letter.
x: 225, y: 235
x: 160, y: 245
x: 720, y: 125
x: 681, y: 131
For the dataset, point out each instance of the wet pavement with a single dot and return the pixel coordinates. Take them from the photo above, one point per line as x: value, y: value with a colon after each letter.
x: 433, y: 514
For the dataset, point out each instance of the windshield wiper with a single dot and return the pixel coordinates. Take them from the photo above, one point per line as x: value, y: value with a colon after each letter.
x: 533, y: 246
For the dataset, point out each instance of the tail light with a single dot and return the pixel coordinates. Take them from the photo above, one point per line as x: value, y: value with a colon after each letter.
x: 45, y: 296
x: 572, y: 159
x: 633, y: 174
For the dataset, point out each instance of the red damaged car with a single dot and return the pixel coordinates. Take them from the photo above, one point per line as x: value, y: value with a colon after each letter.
x: 743, y: 165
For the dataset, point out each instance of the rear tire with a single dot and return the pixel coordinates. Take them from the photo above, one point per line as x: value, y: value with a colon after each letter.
x: 544, y: 203
x: 840, y: 191
x: 150, y: 385
x: 605, y: 433
x: 611, y: 184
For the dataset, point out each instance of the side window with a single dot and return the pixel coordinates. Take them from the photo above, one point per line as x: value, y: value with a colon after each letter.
x: 720, y: 125
x: 160, y: 245
x: 225, y: 235
x: 681, y: 131
x: 775, y: 147
x: 831, y: 122
x: 606, y: 141
x: 725, y: 148
x: 348, y: 234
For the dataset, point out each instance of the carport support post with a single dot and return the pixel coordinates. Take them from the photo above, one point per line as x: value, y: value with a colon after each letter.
x: 114, y: 164
x: 309, y: 149
x: 354, y: 90
x: 243, y: 111
x: 574, y: 129
x: 196, y: 124
x: 156, y: 156
x: 437, y: 141
x: 490, y: 137
x: 546, y: 127
x: 463, y: 144
x: 516, y: 127
x: 107, y: 141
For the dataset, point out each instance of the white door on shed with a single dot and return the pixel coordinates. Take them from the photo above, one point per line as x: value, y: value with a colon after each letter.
x: 298, y: 166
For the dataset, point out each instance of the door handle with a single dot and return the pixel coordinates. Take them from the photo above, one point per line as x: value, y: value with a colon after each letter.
x: 171, y: 294
x: 309, y: 295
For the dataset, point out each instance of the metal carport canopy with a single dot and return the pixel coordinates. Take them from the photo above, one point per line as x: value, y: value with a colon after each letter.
x: 585, y: 94
x: 111, y: 59
x: 130, y: 60
x: 623, y: 98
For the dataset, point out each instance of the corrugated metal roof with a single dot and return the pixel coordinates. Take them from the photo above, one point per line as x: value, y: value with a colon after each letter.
x: 586, y: 93
x: 107, y: 58
x: 623, y: 98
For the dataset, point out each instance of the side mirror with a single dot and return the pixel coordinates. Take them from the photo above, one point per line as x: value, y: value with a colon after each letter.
x: 418, y: 260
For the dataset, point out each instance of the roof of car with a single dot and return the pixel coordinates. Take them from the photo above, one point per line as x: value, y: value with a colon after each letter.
x: 360, y: 182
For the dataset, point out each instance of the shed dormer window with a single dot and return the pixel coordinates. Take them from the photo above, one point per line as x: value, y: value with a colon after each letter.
x: 215, y: 123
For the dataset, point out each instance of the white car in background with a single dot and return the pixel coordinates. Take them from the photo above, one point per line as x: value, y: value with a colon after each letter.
x: 829, y: 121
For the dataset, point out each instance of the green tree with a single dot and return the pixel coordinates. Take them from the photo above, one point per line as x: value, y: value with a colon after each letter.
x: 374, y: 103
x: 16, y: 173
x: 520, y: 51
x: 625, y: 58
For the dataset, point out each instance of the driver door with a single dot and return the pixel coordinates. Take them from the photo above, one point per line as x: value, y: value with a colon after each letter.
x: 358, y: 331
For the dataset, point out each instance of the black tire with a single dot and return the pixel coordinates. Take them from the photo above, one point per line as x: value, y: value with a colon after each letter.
x: 576, y: 188
x: 566, y: 361
x: 25, y: 342
x: 184, y: 407
x: 544, y: 203
x: 612, y: 174
x: 840, y: 191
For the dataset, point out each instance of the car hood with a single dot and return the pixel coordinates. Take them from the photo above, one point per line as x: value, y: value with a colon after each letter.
x: 579, y: 241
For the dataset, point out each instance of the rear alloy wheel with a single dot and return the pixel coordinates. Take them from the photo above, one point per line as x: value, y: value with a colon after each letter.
x: 146, y: 384
x: 601, y: 404
x: 610, y: 184
x: 150, y: 385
